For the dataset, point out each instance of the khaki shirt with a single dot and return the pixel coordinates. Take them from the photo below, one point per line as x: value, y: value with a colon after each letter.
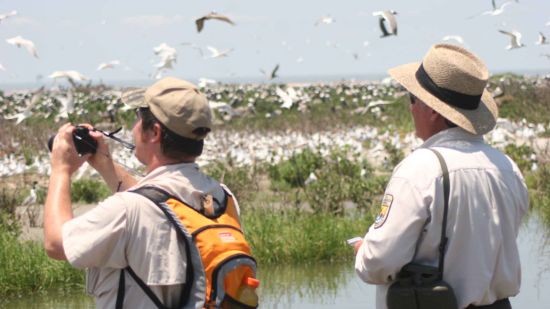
x: 488, y: 199
x: 128, y: 229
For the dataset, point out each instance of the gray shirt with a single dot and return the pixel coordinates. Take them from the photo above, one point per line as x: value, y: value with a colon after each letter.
x: 128, y: 229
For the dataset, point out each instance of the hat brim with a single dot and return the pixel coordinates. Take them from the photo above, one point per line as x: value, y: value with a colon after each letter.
x: 478, y: 121
x: 134, y: 98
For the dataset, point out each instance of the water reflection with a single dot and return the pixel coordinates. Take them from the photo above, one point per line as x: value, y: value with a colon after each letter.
x: 283, y: 286
x: 55, y: 299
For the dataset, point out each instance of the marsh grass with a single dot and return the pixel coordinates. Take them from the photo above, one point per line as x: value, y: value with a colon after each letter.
x: 294, y: 236
x: 24, y: 268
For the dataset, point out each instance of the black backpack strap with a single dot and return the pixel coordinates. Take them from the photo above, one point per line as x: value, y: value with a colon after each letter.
x: 121, y: 290
x: 159, y: 196
x: 446, y: 189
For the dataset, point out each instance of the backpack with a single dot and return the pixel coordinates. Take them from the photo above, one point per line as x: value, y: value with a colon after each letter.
x: 219, y: 257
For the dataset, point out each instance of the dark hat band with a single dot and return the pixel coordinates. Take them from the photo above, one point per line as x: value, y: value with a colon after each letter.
x: 456, y: 99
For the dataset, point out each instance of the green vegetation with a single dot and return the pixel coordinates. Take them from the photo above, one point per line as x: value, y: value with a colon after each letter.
x: 286, y: 218
x: 293, y: 236
x: 24, y: 267
x: 89, y: 190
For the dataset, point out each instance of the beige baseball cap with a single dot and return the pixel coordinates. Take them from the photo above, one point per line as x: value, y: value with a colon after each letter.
x: 177, y: 104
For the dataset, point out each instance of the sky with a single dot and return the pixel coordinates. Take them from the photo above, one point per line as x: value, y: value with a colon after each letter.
x: 79, y: 35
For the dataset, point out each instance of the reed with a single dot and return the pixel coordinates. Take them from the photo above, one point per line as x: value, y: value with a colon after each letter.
x: 294, y: 236
x: 25, y: 268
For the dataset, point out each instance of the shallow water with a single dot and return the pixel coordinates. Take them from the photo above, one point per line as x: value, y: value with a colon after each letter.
x: 337, y: 286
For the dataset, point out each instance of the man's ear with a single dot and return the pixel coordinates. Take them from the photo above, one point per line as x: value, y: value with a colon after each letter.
x: 156, y: 133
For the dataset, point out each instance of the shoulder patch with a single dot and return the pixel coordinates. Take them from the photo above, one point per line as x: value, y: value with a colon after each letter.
x: 384, y: 211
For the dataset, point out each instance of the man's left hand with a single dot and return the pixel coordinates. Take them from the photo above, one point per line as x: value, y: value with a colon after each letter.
x: 64, y: 157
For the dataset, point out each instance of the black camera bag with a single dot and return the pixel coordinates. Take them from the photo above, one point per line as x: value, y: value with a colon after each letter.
x: 420, y: 286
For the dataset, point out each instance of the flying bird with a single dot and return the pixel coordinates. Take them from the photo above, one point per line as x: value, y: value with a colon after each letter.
x: 273, y: 73
x: 28, y: 44
x: 515, y: 39
x: 457, y: 38
x: 5, y: 16
x: 108, y: 65
x: 214, y: 53
x: 327, y: 20
x: 168, y: 56
x: 542, y: 39
x: 212, y: 15
x: 387, y: 22
x: 71, y: 76
x: 496, y: 10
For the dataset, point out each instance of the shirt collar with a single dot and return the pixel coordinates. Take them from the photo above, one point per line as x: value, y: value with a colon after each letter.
x: 168, y: 169
x: 451, y: 135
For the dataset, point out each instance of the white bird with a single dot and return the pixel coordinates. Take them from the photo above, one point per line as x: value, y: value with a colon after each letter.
x: 215, y: 53
x: 32, y: 197
x: 28, y: 44
x: 67, y: 105
x: 203, y: 82
x: 212, y: 15
x: 327, y: 20
x: 108, y: 65
x: 387, y: 22
x: 168, y: 56
x: 454, y: 37
x: 496, y: 10
x: 515, y: 39
x: 310, y: 179
x: 5, y: 16
x: 542, y: 39
x: 288, y: 96
x: 72, y: 76
x: 27, y: 111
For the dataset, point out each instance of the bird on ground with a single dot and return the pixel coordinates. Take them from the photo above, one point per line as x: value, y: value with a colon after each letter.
x: 273, y: 73
x: 515, y: 39
x: 454, y: 37
x: 496, y: 10
x: 7, y: 15
x: 108, y: 65
x: 327, y: 20
x: 542, y: 39
x: 288, y: 96
x: 387, y: 22
x: 28, y: 44
x: 32, y: 197
x: 168, y: 56
x: 72, y: 76
x: 212, y: 15
x: 203, y: 82
x: 215, y: 53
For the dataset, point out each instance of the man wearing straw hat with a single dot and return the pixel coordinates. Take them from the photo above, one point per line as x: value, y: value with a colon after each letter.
x: 451, y: 109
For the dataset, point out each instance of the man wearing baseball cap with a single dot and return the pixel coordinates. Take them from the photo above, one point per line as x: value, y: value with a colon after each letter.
x: 488, y: 198
x: 127, y: 229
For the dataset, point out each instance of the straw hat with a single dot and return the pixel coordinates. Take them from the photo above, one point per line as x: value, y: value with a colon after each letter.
x: 452, y: 81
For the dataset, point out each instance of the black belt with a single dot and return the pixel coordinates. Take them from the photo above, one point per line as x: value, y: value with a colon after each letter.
x: 499, y: 304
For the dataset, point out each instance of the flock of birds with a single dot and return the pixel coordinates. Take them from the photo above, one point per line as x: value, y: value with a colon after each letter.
x: 167, y: 55
x: 243, y: 100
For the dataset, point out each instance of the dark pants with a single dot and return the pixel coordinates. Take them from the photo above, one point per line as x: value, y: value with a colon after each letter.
x: 499, y: 304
